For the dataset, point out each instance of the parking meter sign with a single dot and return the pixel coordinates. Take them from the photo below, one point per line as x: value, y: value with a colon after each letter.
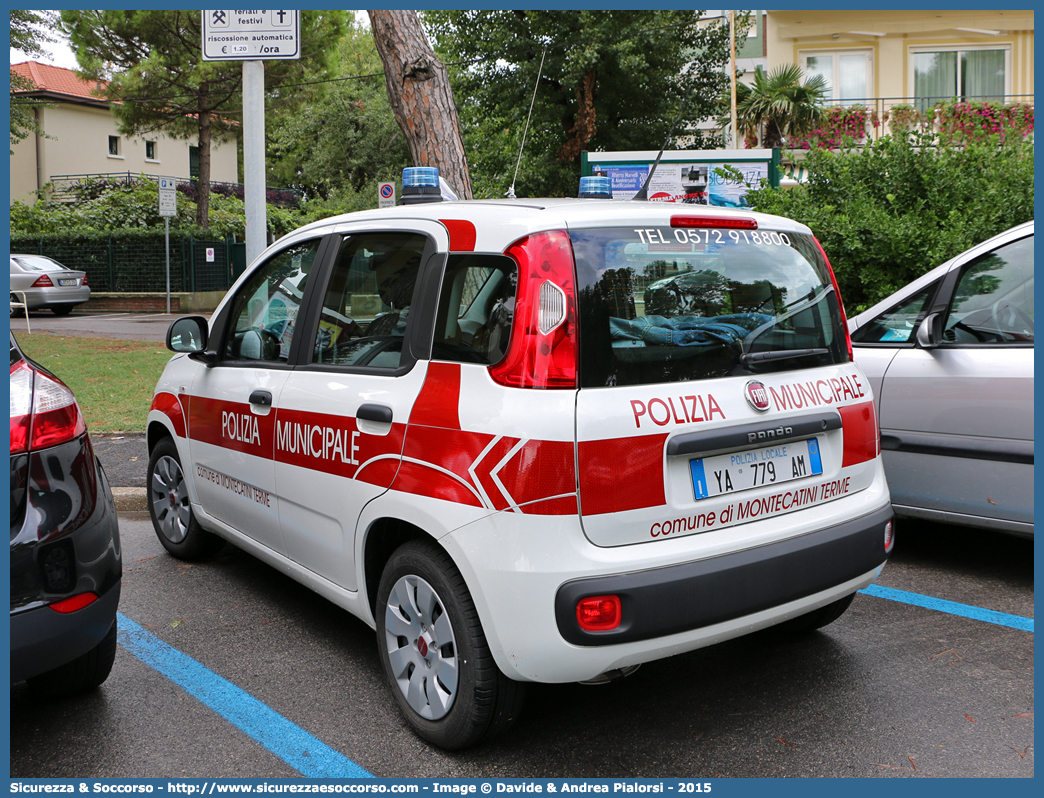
x: 385, y: 195
x: 168, y: 197
x: 251, y: 35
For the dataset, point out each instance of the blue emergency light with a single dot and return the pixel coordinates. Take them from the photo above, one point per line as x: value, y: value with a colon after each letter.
x: 596, y: 187
x: 420, y: 184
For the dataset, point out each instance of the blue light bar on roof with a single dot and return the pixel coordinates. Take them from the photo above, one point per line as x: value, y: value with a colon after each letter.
x: 596, y: 188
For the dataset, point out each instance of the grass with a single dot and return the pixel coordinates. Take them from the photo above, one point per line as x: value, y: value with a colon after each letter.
x: 113, y: 380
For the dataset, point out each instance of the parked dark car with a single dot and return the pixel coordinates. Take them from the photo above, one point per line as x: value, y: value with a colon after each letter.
x: 65, y: 546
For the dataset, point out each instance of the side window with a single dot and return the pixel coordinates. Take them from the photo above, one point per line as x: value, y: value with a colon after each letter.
x: 898, y: 324
x: 264, y: 309
x: 367, y: 304
x: 476, y: 305
x: 993, y: 303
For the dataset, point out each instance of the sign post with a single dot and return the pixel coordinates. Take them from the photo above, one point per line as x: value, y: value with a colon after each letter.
x: 252, y: 37
x: 168, y: 206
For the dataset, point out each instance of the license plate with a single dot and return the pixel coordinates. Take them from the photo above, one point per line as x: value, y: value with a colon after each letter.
x: 71, y: 281
x: 755, y: 468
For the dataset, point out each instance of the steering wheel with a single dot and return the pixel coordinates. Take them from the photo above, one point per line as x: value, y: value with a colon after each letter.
x: 1010, y: 317
x: 259, y: 344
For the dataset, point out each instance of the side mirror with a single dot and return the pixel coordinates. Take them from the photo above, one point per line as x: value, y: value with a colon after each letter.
x: 190, y: 334
x: 929, y: 332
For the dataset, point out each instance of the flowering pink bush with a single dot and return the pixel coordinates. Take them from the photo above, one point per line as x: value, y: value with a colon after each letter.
x: 838, y: 124
x: 967, y: 121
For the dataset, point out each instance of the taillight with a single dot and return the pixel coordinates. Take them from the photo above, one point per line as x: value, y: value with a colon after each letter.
x: 43, y: 281
x: 74, y: 603
x: 542, y: 350
x: 889, y: 535
x: 723, y: 222
x: 599, y: 613
x: 840, y: 304
x: 862, y: 439
x: 21, y: 406
x: 44, y: 412
x: 84, y: 281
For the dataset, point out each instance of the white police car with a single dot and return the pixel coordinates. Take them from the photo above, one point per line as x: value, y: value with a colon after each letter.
x: 457, y: 421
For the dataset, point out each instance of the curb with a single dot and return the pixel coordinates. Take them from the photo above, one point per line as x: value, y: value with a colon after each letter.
x: 130, y: 500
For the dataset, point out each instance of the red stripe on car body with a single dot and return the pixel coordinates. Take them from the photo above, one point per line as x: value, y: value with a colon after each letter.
x: 170, y: 406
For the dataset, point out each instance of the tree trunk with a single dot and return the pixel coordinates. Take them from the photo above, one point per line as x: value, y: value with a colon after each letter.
x: 584, y: 125
x: 421, y: 97
x: 203, y: 183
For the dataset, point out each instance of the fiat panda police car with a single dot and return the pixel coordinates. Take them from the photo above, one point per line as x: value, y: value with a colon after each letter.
x: 459, y: 422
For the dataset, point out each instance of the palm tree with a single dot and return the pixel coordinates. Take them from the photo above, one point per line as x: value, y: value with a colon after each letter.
x: 780, y: 105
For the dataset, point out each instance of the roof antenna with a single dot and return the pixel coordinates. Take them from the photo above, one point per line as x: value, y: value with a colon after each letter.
x: 540, y: 71
x: 644, y: 193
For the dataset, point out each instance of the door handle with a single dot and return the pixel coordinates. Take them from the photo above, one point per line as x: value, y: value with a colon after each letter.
x: 371, y: 412
x: 260, y: 397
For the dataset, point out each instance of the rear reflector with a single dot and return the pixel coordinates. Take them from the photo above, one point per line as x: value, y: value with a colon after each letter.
x: 598, y: 613
x: 889, y: 533
x: 724, y: 222
x: 74, y: 603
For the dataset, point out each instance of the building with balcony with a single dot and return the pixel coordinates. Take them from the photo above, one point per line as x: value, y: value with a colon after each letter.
x: 909, y: 58
x: 83, y: 138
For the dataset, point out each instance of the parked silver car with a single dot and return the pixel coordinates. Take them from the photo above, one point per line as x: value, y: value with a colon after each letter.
x: 950, y: 360
x: 41, y: 282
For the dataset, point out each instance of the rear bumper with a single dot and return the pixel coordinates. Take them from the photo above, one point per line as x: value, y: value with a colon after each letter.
x: 42, y: 639
x: 36, y: 298
x: 680, y: 598
x: 519, y: 569
x: 64, y: 541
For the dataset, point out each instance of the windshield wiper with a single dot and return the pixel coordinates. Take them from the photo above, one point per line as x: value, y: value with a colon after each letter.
x: 748, y: 358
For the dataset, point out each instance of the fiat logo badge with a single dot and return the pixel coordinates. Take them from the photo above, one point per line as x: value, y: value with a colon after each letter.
x: 757, y: 395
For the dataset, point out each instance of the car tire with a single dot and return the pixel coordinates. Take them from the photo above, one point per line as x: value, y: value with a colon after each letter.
x: 170, y: 509
x: 61, y: 310
x: 451, y: 693
x: 817, y: 619
x: 82, y: 674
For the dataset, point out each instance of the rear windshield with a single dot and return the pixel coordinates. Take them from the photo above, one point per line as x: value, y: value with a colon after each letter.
x: 37, y: 263
x: 669, y: 304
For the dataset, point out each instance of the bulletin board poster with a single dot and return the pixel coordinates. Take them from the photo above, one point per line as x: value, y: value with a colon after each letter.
x: 692, y: 180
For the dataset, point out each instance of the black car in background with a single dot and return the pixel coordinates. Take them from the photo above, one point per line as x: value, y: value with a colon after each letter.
x: 65, y: 545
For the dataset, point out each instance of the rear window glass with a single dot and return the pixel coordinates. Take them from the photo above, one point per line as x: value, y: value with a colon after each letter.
x: 669, y: 304
x: 37, y: 263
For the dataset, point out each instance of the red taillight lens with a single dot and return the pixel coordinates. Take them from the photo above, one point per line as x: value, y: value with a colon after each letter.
x: 723, y: 222
x: 862, y: 441
x: 840, y: 304
x: 542, y: 350
x: 84, y: 281
x: 74, y: 603
x: 599, y: 613
x: 43, y: 281
x: 43, y: 410
x: 21, y: 406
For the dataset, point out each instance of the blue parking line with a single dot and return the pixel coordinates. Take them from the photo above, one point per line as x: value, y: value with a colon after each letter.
x: 951, y: 607
x: 288, y: 741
